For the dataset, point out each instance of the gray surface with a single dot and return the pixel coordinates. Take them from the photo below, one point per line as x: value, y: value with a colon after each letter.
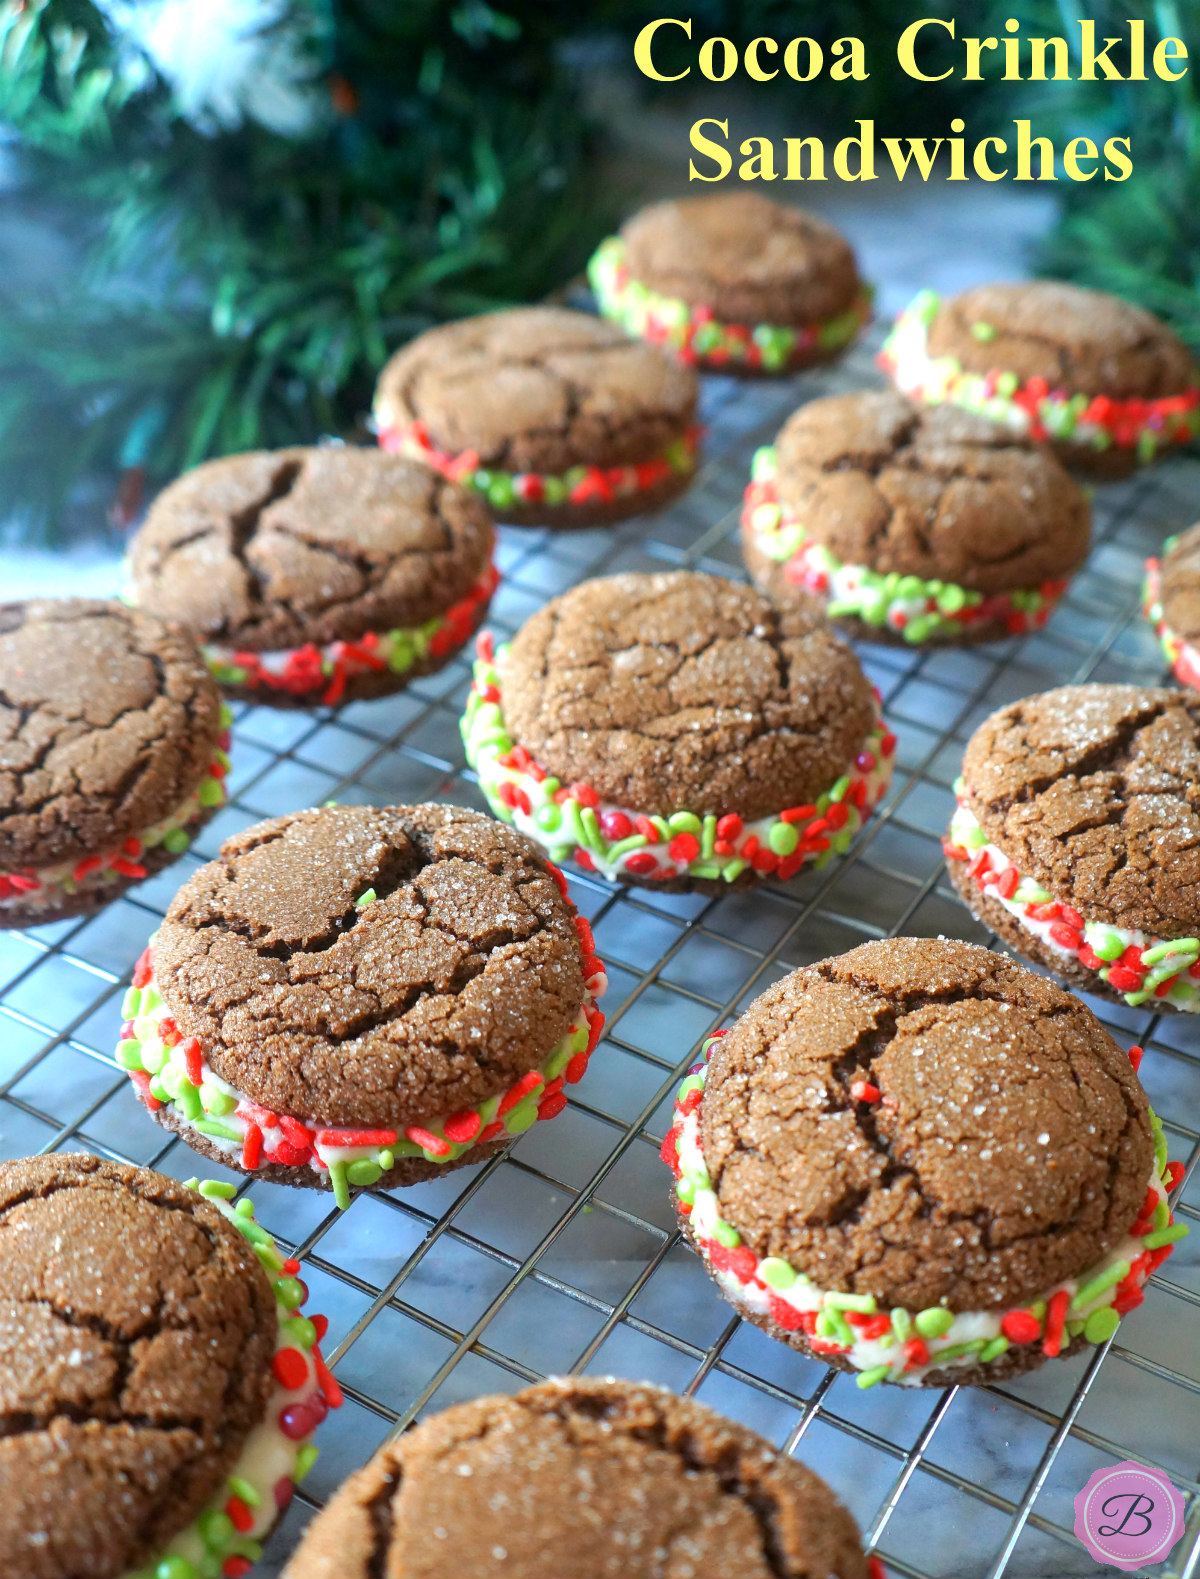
x: 563, y: 1256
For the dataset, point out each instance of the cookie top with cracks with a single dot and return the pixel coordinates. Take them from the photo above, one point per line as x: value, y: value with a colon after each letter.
x: 750, y: 260
x: 276, y: 548
x: 1010, y: 1147
x: 108, y: 722
x: 461, y: 974
x: 1181, y: 586
x: 136, y: 1335
x: 598, y: 1478
x: 1083, y: 341
x: 1094, y: 792
x: 681, y: 691
x: 538, y: 389
x: 933, y: 492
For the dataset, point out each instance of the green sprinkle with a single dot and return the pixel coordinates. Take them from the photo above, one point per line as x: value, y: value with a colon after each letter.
x: 901, y: 1323
x: 708, y: 837
x: 875, y: 1375
x: 216, y: 1530
x: 549, y: 818
x: 783, y: 838
x: 341, y: 1194
x: 1109, y: 946
x: 210, y: 1126
x: 951, y: 599
x: 189, y: 1101
x: 367, y: 897
x: 1151, y: 956
x: 685, y: 1189
x: 305, y: 1459
x: 129, y: 1053
x: 1165, y: 1236
x: 215, y: 1101
x: 994, y: 1349
x: 131, y: 1003
x: 520, y: 1118
x: 776, y: 1273
x: 301, y: 1331
x: 364, y: 1172
x: 684, y: 822
x: 958, y: 1351
x: 176, y: 840
x: 725, y: 1234
x: 1162, y: 1213
x: 934, y: 1321
x: 245, y: 1208
x: 217, y: 1189
x: 269, y: 1258
x: 733, y: 869
x: 1101, y: 1324
x: 210, y: 792
x: 175, y: 1568
x: 289, y: 1291
x: 1091, y: 1291
x: 590, y: 824
x: 387, y: 1159
x: 158, y: 1091
x: 861, y: 1304
x: 243, y: 1489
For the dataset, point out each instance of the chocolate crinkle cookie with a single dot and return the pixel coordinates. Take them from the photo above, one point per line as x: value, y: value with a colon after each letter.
x: 917, y: 526
x: 355, y: 996
x: 1077, y: 838
x: 588, y: 1477
x: 156, y: 1399
x: 1171, y: 602
x: 923, y: 1163
x: 112, y: 738
x: 678, y: 730
x: 555, y: 417
x: 732, y: 281
x: 320, y: 575
x: 1103, y: 381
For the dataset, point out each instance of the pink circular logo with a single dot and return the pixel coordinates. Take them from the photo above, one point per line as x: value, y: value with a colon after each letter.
x: 1129, y: 1516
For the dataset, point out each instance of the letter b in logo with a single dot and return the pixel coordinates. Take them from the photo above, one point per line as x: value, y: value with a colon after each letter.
x: 1129, y: 1516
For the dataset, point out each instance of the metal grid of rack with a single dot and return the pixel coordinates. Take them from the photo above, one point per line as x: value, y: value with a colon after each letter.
x: 563, y: 1256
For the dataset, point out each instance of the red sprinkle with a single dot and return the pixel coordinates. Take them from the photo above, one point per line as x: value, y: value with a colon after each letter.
x: 641, y: 863
x: 916, y: 1353
x: 321, y: 1326
x: 741, y: 1260
x: 870, y: 1326
x: 252, y: 1147
x: 126, y: 867
x: 489, y: 1132
x: 193, y: 1061
x: 427, y: 1140
x: 551, y: 1106
x: 730, y: 827
x: 299, y: 1134
x: 235, y: 1567
x: 240, y: 1514
x: 357, y: 1137
x: 142, y: 971
x: 1007, y: 882
x: 1136, y: 1054
x: 89, y: 864
x: 1174, y: 1172
x: 684, y: 847
x: 1065, y: 936
x: 330, y: 1389
x: 783, y: 1314
x: 1021, y: 1326
x: 462, y: 1127
x: 291, y: 1369
x: 515, y: 1094
x: 865, y: 1091
x: 577, y: 1068
x: 669, y: 1150
x: 1056, y: 1316
x: 1122, y: 979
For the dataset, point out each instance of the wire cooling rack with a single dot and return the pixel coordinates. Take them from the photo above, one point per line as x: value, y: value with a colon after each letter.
x: 563, y: 1256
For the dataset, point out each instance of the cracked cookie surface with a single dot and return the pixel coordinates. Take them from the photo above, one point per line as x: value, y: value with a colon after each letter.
x: 1076, y: 339
x: 678, y: 690
x: 934, y: 492
x: 276, y: 548
x: 749, y: 259
x: 1094, y: 792
x: 1010, y: 1146
x: 459, y: 977
x: 538, y: 389
x: 596, y: 1478
x: 136, y: 1335
x: 108, y: 721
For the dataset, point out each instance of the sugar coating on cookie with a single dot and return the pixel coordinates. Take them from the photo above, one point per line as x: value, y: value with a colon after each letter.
x: 353, y: 994
x: 924, y: 1163
x: 1077, y: 837
x: 732, y: 280
x: 587, y: 1476
x: 553, y: 416
x: 676, y: 727
x: 316, y: 575
x: 112, y: 738
x: 1103, y: 380
x: 913, y: 524
x: 1171, y: 602
x: 166, y: 1381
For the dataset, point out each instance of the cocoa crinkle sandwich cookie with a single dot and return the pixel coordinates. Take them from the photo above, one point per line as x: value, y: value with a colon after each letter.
x: 554, y: 417
x: 679, y: 731
x: 924, y: 1164
x: 1076, y: 838
x: 732, y: 282
x: 113, y: 745
x: 161, y: 1381
x: 921, y: 526
x: 1103, y: 381
x: 586, y: 1477
x: 316, y: 576
x: 1171, y: 602
x: 358, y: 996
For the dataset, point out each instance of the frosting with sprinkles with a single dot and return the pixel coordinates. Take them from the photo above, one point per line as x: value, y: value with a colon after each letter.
x: 571, y: 821
x: 1032, y: 407
x: 225, y: 1541
x: 47, y: 886
x: 700, y: 339
x: 322, y: 672
x: 919, y: 610
x: 1182, y: 657
x: 1139, y: 967
x: 580, y: 485
x: 899, y: 1345
x: 171, y: 1071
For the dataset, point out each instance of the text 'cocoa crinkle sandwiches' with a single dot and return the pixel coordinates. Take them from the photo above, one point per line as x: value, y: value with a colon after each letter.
x: 913, y: 525
x: 112, y: 753
x: 1171, y: 602
x: 316, y: 575
x: 924, y: 1164
x: 1105, y: 382
x: 357, y: 995
x: 678, y: 730
x: 586, y: 1478
x: 1077, y: 838
x: 556, y: 418
x: 161, y: 1382
x: 733, y: 282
